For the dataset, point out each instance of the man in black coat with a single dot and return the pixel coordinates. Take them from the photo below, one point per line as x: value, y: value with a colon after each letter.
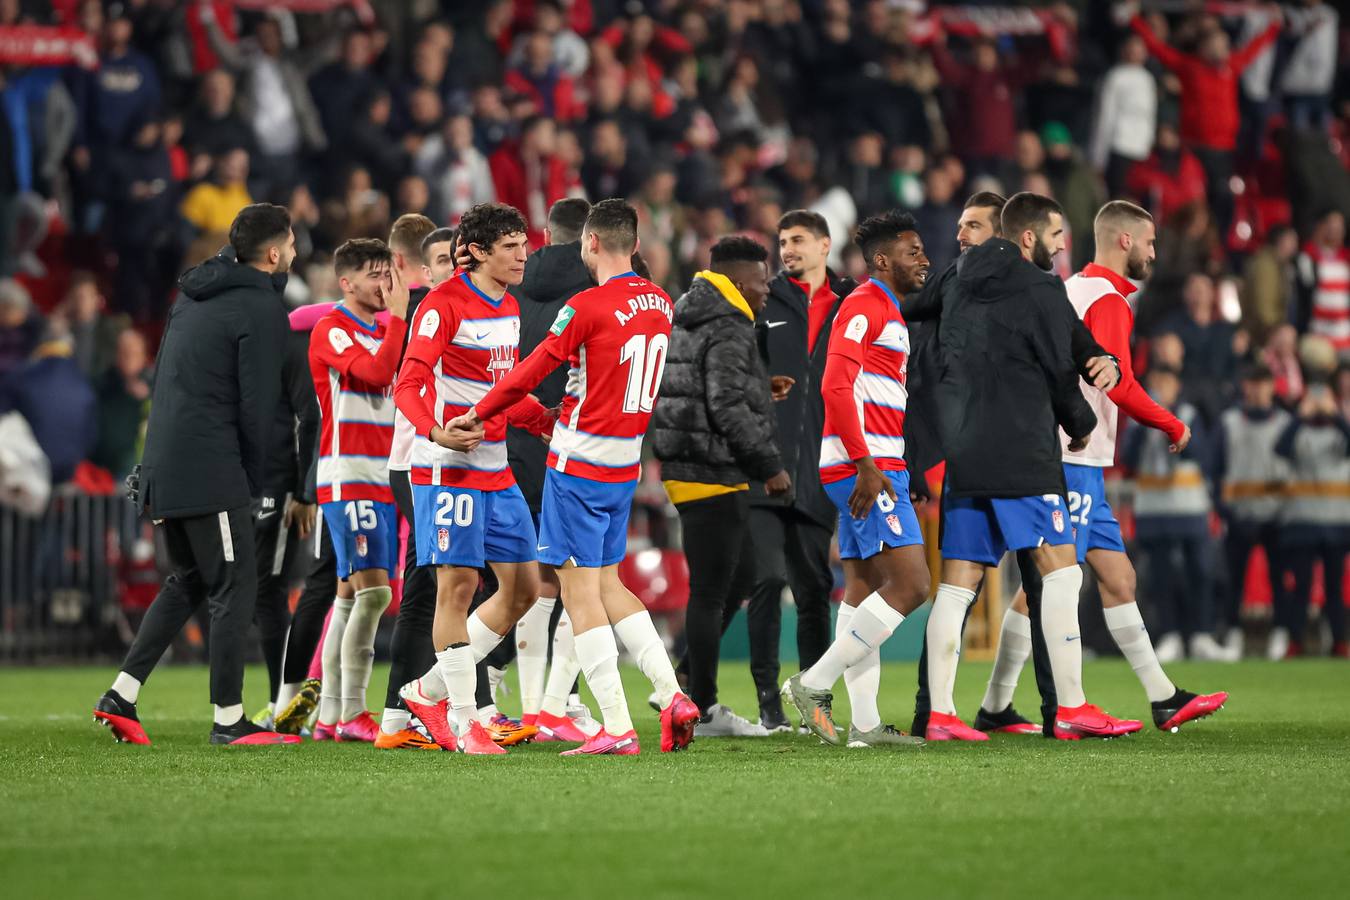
x: 216, y: 393
x: 713, y: 431
x: 1008, y: 381
x: 980, y: 220
x: 792, y: 532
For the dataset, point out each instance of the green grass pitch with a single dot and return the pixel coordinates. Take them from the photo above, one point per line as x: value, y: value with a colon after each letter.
x: 1254, y: 802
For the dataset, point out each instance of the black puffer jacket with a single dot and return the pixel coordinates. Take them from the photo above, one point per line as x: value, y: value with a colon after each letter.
x: 553, y: 275
x: 1008, y: 379
x: 713, y: 423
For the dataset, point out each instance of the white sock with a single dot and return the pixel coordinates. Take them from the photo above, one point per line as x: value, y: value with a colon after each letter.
x: 358, y: 648
x: 482, y: 639
x: 532, y: 653
x: 228, y: 715
x: 494, y: 679
x: 1014, y: 646
x: 456, y: 666
x: 394, y: 720
x: 944, y: 644
x: 640, y: 639
x: 127, y: 686
x: 598, y: 654
x: 872, y: 623
x: 285, y: 694
x: 1131, y: 635
x: 563, y: 672
x: 330, y: 694
x: 431, y: 686
x: 863, y: 679
x: 1059, y: 624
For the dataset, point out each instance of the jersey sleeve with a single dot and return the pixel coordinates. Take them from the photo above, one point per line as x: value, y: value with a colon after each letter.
x: 569, y: 330
x: 335, y: 347
x: 415, y: 389
x: 1110, y: 321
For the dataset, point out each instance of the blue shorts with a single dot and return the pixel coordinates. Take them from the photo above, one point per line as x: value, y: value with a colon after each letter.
x: 1094, y: 524
x: 583, y: 521
x: 889, y: 523
x: 364, y: 535
x: 467, y: 527
x: 982, y: 529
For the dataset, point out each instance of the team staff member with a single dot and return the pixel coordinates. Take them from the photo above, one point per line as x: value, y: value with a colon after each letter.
x: 792, y: 531
x: 215, y: 399
x: 712, y: 431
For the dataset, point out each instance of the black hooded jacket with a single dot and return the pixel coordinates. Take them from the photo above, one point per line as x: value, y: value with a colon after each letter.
x: 784, y: 334
x: 553, y: 275
x: 217, y: 390
x: 1007, y: 377
x: 294, y: 445
x: 923, y: 311
x: 714, y: 423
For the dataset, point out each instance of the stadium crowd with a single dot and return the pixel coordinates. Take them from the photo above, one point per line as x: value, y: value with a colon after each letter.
x: 1230, y: 124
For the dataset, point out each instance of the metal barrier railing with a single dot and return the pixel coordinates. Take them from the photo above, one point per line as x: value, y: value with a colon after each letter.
x: 62, y: 577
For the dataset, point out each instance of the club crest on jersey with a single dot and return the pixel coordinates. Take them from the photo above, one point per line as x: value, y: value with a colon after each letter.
x: 894, y: 521
x: 362, y: 545
x: 1057, y: 518
x: 443, y: 539
x: 503, y: 361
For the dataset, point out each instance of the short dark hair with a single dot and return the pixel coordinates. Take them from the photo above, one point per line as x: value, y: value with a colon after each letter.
x: 1027, y: 212
x: 615, y: 223
x: 408, y: 232
x: 813, y: 222
x: 877, y: 232
x: 566, y: 218
x: 358, y: 253
x: 439, y: 236
x: 256, y: 228
x: 737, y: 248
x: 989, y: 200
x: 487, y: 223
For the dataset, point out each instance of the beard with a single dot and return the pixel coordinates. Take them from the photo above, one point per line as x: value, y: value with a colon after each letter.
x: 1041, y: 256
x: 1137, y: 268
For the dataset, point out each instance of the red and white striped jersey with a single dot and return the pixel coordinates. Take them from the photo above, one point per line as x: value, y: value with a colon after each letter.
x: 468, y: 342
x: 869, y: 344
x: 1326, y: 273
x: 358, y: 414
x: 615, y: 338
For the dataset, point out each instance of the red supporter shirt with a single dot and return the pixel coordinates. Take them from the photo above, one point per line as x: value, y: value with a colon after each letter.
x: 615, y: 338
x: 1209, y: 94
x: 864, y: 384
x: 463, y: 342
x: 353, y: 367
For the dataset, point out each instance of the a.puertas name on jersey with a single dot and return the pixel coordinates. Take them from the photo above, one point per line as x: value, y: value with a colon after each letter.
x: 641, y: 303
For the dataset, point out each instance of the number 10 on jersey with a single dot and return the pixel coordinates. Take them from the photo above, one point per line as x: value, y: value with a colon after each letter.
x: 647, y: 363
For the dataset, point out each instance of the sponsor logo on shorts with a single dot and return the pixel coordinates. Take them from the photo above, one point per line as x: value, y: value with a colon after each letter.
x: 362, y: 545
x: 443, y: 539
x: 894, y: 521
x: 1057, y: 518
